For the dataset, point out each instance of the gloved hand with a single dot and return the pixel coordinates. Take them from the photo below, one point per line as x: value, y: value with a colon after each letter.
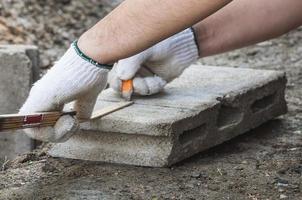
x: 74, y: 77
x: 154, y: 67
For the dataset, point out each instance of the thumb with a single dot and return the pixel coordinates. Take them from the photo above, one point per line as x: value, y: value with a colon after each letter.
x: 85, y: 103
x: 127, y: 68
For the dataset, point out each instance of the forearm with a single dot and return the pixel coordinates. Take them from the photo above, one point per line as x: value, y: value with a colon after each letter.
x: 245, y: 22
x: 138, y: 24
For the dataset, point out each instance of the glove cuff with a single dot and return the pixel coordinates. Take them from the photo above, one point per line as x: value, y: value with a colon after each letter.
x: 185, y: 47
x: 87, y: 58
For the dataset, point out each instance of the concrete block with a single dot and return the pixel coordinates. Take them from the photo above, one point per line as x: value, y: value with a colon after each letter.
x: 19, y: 66
x: 203, y: 108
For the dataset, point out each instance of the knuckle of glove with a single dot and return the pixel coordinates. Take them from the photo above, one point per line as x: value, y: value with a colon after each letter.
x: 155, y: 84
x: 127, y: 68
x: 148, y: 85
x: 140, y: 86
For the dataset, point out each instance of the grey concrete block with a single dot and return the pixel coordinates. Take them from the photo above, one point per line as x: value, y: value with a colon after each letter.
x: 203, y: 108
x: 19, y: 66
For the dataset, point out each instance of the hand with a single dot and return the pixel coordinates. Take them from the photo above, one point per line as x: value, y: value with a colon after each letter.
x: 156, y: 66
x: 73, y: 78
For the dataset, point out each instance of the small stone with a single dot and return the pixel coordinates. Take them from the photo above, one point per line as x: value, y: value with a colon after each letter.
x: 283, y: 196
x: 195, y: 175
x: 244, y: 162
x: 281, y: 181
x: 213, y: 187
x: 45, y: 63
x: 48, y: 168
x: 238, y: 168
x: 265, y: 44
x: 282, y: 185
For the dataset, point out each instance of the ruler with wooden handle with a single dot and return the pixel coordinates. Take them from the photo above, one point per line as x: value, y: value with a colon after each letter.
x: 19, y: 121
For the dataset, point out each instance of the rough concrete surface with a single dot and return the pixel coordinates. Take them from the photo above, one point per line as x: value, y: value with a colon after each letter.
x: 265, y: 163
x: 19, y: 68
x: 204, y: 107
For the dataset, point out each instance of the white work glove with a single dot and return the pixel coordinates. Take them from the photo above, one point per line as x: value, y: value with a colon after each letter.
x: 74, y: 77
x: 156, y: 66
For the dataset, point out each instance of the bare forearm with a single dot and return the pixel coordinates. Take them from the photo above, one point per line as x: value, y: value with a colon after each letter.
x: 245, y: 22
x: 138, y: 24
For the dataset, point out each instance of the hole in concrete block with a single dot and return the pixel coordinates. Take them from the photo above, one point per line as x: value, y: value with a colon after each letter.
x: 191, y: 135
x: 263, y: 103
x: 228, y: 116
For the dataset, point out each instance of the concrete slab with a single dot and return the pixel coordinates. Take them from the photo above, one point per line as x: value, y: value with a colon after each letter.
x: 203, y: 108
x: 19, y: 68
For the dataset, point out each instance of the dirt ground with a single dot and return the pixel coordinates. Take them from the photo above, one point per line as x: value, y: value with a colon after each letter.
x: 265, y: 163
x: 51, y: 25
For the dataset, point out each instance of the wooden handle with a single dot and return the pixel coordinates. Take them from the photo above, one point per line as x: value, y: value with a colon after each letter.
x: 19, y: 121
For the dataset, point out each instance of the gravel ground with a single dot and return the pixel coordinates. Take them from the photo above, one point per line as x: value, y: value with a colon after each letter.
x: 265, y: 163
x: 51, y: 25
